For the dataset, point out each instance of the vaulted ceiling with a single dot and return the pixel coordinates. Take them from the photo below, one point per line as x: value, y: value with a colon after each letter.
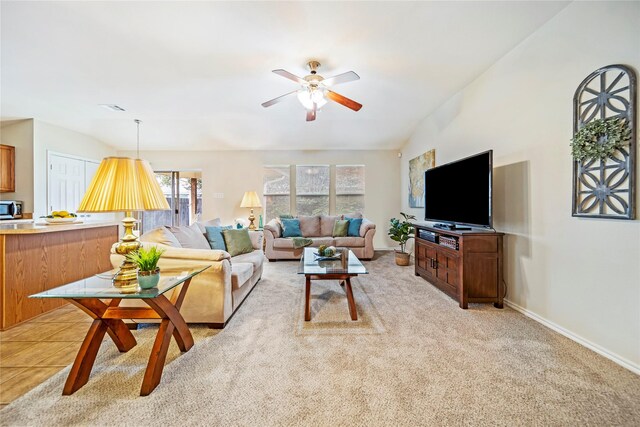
x: 196, y: 72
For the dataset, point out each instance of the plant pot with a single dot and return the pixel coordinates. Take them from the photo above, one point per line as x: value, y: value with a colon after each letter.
x: 148, y: 279
x: 402, y: 258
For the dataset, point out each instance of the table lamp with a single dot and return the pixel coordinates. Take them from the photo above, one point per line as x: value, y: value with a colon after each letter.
x: 251, y: 200
x: 122, y: 184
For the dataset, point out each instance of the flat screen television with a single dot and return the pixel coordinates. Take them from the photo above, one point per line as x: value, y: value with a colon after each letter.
x: 458, y: 194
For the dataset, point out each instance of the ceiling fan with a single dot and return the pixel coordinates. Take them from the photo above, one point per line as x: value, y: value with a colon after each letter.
x: 315, y: 90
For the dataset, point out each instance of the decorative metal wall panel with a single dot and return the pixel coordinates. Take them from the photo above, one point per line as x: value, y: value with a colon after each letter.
x: 606, y: 188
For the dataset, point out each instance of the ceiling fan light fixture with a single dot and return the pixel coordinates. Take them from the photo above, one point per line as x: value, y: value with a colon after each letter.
x: 309, y: 96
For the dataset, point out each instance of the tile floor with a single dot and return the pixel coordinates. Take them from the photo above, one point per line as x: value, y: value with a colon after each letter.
x: 33, y: 351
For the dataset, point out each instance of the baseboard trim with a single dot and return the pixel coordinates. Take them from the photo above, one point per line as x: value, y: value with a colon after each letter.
x: 627, y: 364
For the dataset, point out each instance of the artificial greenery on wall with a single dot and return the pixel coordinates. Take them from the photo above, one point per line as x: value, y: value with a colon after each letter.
x: 600, y: 138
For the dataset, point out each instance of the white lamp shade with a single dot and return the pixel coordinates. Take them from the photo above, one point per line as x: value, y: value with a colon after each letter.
x: 250, y: 200
x: 122, y: 184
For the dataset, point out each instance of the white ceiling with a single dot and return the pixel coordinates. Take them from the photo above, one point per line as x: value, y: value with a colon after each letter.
x: 196, y: 72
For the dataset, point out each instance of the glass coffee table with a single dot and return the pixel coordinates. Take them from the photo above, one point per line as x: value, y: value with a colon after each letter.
x: 88, y: 294
x: 342, y: 268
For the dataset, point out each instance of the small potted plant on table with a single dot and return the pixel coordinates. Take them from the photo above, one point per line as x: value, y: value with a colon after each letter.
x: 401, y: 232
x: 147, y: 262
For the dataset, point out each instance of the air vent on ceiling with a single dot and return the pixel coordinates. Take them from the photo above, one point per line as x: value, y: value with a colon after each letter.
x: 112, y: 107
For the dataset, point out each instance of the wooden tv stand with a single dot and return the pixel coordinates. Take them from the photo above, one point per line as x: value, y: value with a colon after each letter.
x: 472, y: 272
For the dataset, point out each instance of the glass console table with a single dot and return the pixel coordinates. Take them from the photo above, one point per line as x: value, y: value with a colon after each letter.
x: 88, y: 294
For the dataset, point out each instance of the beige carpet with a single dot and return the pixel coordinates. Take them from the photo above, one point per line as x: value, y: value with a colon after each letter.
x: 413, y: 358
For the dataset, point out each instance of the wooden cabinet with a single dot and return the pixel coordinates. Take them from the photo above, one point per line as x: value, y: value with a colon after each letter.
x: 470, y: 271
x: 7, y: 169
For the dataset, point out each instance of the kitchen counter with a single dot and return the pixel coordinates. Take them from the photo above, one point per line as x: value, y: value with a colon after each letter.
x: 43, y: 227
x: 16, y: 221
x: 38, y: 257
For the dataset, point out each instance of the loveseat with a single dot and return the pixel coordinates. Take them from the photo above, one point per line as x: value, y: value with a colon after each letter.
x: 216, y: 293
x: 318, y: 228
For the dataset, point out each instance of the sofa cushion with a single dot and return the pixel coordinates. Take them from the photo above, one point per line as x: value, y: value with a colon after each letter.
x: 327, y: 241
x: 190, y: 237
x: 326, y: 224
x: 340, y: 228
x: 283, y: 243
x: 291, y: 228
x: 310, y: 226
x: 241, y: 272
x: 256, y: 258
x: 211, y: 223
x: 237, y: 241
x: 354, y: 226
x: 161, y: 235
x: 350, y: 242
x: 215, y: 238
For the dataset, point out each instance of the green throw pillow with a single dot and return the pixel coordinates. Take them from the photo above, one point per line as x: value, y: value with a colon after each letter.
x: 237, y: 241
x: 341, y: 228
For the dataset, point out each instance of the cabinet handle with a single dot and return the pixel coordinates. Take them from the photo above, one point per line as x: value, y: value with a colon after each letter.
x: 435, y: 264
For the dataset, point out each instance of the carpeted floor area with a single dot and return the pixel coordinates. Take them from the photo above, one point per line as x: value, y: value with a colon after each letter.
x: 412, y: 358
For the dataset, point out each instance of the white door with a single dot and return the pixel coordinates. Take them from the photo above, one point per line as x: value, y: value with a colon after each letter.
x: 66, y: 183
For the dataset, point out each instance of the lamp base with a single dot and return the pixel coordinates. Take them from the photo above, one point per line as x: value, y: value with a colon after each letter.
x: 126, y: 279
x: 252, y: 218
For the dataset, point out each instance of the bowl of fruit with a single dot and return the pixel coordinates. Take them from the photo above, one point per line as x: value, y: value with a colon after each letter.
x: 60, y: 217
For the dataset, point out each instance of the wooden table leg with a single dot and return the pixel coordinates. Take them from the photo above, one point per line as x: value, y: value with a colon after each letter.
x: 86, y: 357
x: 307, y: 303
x: 350, y: 300
x: 172, y: 324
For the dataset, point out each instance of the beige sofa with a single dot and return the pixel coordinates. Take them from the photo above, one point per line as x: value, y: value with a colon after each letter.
x: 320, y: 230
x: 216, y: 293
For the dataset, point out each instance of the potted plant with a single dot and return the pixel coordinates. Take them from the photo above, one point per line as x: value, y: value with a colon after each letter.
x: 401, y: 232
x: 147, y: 262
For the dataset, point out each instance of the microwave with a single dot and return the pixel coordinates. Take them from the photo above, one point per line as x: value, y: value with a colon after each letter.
x: 10, y: 209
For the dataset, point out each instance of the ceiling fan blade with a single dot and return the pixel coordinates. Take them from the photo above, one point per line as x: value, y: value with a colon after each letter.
x: 349, y: 103
x: 276, y: 100
x: 288, y: 75
x: 311, y: 114
x: 349, y: 76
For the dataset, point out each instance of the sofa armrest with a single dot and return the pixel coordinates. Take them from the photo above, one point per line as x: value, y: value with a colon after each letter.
x: 186, y: 253
x: 366, y: 226
x: 274, y: 227
x: 256, y: 239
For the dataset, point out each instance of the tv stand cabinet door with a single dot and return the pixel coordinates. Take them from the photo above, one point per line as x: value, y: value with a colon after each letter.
x: 447, y: 269
x: 424, y: 256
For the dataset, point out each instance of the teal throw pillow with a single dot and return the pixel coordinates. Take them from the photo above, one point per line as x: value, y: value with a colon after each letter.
x: 237, y: 241
x: 354, y: 226
x: 214, y: 236
x: 291, y: 228
x: 340, y: 228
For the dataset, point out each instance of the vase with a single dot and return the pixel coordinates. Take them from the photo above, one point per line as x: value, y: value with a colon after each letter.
x: 148, y: 279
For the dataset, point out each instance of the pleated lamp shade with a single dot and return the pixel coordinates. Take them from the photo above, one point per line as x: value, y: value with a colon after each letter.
x: 250, y: 200
x: 122, y: 184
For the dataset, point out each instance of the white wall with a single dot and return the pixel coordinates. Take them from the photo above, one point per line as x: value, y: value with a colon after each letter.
x: 20, y: 135
x: 234, y: 172
x: 47, y: 137
x: 578, y: 273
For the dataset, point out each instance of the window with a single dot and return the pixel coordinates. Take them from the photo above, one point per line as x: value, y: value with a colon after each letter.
x: 276, y: 190
x: 349, y: 189
x: 312, y: 190
x: 183, y: 191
